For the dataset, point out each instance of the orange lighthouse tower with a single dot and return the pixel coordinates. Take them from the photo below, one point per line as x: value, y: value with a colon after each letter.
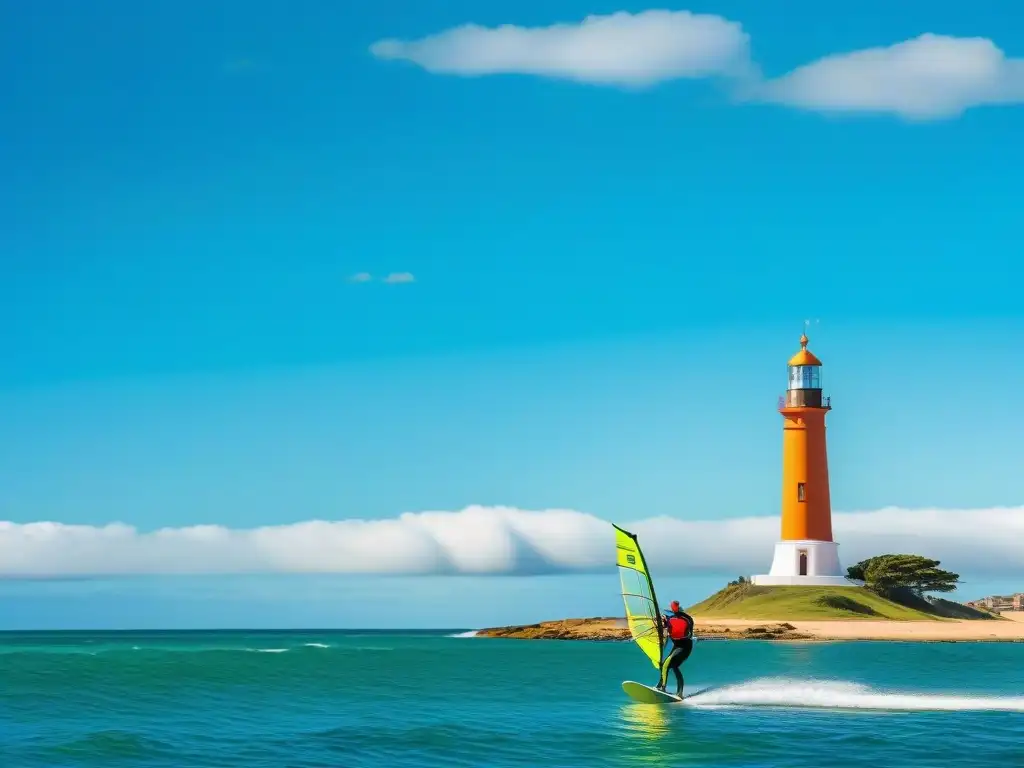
x: 806, y: 554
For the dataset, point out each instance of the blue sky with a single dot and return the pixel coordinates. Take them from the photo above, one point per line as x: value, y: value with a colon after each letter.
x: 609, y: 279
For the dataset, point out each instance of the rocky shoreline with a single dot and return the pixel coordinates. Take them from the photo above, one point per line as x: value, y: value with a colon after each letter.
x: 615, y: 630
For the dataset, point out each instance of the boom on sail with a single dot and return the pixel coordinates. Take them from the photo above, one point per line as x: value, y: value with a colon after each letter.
x: 642, y: 612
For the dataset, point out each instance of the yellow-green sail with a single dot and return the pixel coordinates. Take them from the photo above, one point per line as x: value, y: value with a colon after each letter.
x: 642, y: 612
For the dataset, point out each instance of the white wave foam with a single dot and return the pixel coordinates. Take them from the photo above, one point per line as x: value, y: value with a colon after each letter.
x: 846, y: 695
x: 316, y: 645
x: 267, y: 650
x: 471, y: 633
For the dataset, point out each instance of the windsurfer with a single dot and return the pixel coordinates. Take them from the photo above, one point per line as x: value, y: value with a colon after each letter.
x: 679, y: 629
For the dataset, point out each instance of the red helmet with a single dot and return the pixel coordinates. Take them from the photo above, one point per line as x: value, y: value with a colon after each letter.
x: 674, y: 606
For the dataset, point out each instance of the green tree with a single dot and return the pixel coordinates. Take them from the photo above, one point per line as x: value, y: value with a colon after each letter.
x: 893, y: 575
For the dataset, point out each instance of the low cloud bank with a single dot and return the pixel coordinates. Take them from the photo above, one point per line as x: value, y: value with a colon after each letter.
x: 501, y: 541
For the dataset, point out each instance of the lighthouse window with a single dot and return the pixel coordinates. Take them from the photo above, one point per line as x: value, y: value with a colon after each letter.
x: 800, y: 492
x: 804, y: 377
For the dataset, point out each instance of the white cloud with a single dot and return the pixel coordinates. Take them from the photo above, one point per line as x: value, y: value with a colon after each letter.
x: 400, y: 277
x: 501, y: 540
x: 620, y: 49
x: 928, y: 77
x: 361, y: 277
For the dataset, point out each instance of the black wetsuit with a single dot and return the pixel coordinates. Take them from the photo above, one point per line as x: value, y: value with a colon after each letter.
x: 678, y: 652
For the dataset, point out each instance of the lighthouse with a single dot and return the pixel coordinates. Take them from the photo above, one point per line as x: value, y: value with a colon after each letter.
x: 806, y: 553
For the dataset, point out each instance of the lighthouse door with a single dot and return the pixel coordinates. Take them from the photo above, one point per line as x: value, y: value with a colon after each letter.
x: 803, y: 562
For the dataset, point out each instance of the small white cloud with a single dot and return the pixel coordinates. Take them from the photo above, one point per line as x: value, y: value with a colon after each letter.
x: 928, y: 77
x: 400, y: 277
x: 619, y: 49
x: 501, y: 540
x: 361, y: 277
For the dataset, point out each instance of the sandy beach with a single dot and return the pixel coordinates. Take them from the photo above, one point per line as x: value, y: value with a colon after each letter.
x: 866, y: 629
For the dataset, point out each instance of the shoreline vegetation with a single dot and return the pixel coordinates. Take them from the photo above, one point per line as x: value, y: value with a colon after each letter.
x: 746, y: 612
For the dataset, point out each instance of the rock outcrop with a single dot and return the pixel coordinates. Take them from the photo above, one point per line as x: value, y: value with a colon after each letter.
x: 567, y: 629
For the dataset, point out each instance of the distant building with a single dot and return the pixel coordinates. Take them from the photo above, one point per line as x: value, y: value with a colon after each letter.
x: 1000, y: 603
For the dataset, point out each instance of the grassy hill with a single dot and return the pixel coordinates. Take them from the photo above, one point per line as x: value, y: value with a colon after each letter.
x: 746, y: 601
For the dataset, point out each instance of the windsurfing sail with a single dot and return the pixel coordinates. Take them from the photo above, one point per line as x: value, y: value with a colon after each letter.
x: 642, y: 612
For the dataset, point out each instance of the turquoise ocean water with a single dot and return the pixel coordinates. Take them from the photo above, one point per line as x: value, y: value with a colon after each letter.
x: 312, y: 699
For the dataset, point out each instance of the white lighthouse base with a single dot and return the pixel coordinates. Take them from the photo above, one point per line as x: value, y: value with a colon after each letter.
x: 805, y: 564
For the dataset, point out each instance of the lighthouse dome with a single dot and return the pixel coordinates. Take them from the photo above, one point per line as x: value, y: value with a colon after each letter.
x: 804, y: 356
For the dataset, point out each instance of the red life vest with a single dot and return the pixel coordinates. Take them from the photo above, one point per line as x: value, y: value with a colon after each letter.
x: 678, y: 628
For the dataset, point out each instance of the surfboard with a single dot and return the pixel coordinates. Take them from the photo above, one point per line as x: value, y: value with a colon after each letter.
x: 646, y: 694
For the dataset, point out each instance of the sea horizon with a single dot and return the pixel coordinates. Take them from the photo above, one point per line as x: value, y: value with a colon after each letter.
x: 246, y: 630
